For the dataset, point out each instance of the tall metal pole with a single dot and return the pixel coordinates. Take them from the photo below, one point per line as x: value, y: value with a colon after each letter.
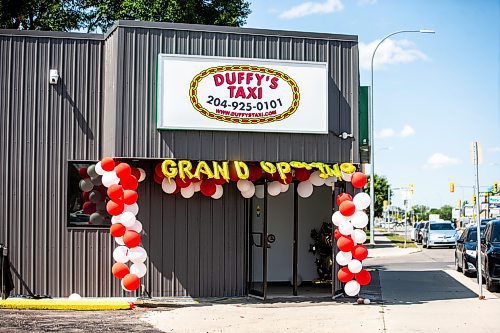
x: 478, y: 220
x: 372, y: 135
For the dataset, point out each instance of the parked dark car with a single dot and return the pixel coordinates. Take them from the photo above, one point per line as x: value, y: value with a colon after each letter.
x: 490, y: 255
x: 466, y: 250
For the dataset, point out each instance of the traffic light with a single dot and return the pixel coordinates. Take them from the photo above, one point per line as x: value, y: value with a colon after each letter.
x: 495, y: 187
x: 386, y: 204
x: 474, y: 199
x: 411, y: 188
x: 452, y: 187
x: 459, y: 203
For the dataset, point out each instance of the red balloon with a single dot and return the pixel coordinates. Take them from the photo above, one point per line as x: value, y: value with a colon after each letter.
x: 117, y: 230
x: 182, y: 183
x: 208, y: 188
x: 177, y: 190
x: 115, y: 208
x: 272, y: 176
x: 337, y: 233
x: 345, y: 275
x: 255, y: 173
x: 123, y: 170
x: 343, y: 197
x: 158, y: 171
x: 107, y: 164
x: 358, y: 180
x: 119, y: 270
x: 232, y: 173
x: 158, y: 179
x: 136, y: 173
x: 302, y: 174
x: 86, y: 196
x: 345, y: 243
x: 220, y: 181
x: 130, y: 197
x: 115, y: 192
x: 347, y: 208
x: 363, y: 277
x: 130, y: 183
x: 83, y: 173
x: 131, y: 282
x: 288, y: 179
x: 131, y: 238
x: 360, y: 252
x: 88, y: 208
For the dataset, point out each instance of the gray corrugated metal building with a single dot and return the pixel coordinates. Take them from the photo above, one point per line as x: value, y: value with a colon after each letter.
x: 104, y: 105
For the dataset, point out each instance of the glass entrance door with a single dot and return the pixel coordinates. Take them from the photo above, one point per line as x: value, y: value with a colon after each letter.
x: 258, y: 243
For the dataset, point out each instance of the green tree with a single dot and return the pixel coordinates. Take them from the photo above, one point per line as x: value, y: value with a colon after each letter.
x: 381, y: 187
x: 446, y: 212
x: 99, y: 15
x: 421, y: 212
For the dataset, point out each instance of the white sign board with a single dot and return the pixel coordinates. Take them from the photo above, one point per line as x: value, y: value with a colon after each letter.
x: 468, y: 211
x: 236, y: 94
x: 455, y: 213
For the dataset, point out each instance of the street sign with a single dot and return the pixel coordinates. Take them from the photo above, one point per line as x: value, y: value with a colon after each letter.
x: 495, y: 199
x: 468, y: 211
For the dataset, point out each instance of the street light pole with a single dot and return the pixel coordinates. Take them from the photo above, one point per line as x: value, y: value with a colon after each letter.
x: 372, y: 135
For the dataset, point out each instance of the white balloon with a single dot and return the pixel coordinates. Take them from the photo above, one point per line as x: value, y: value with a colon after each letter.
x: 259, y: 191
x: 343, y: 258
x: 366, y: 301
x: 315, y: 179
x: 137, y: 255
x: 127, y: 219
x: 75, y: 297
x: 345, y: 228
x: 168, y: 185
x: 361, y: 201
x: 248, y: 194
x: 219, y: 191
x: 137, y: 227
x: 352, y: 288
x: 284, y: 187
x: 120, y: 254
x: 274, y: 188
x: 133, y: 208
x: 119, y: 241
x: 98, y: 169
x: 355, y: 266
x: 330, y: 181
x: 86, y: 185
x: 115, y: 219
x: 197, y: 186
x: 243, y: 185
x: 337, y: 218
x: 305, y: 189
x: 187, y: 192
x: 358, y: 236
x: 142, y: 176
x: 359, y: 219
x: 138, y: 269
x: 110, y: 178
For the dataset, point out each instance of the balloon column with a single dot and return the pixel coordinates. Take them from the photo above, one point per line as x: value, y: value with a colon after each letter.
x: 121, y: 181
x: 350, y: 220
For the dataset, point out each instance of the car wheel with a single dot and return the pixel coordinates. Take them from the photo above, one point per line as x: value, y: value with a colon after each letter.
x: 457, y: 265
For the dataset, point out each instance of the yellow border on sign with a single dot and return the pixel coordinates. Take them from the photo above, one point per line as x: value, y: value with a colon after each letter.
x: 193, y: 94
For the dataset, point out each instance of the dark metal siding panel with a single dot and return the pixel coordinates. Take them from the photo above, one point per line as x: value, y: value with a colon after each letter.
x: 138, y: 97
x: 42, y: 126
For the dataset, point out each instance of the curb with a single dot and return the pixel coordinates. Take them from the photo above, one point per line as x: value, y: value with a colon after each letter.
x: 65, y: 304
x: 469, y: 284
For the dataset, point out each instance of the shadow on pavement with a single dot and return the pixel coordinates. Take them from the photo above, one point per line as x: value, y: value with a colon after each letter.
x: 418, y: 287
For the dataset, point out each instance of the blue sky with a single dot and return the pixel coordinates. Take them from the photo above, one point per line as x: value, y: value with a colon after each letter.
x: 434, y: 93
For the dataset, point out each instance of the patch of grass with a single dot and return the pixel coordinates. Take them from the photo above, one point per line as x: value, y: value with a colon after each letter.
x: 399, y: 240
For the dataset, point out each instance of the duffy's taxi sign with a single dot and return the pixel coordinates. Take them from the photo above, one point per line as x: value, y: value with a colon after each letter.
x: 244, y: 94
x: 215, y: 93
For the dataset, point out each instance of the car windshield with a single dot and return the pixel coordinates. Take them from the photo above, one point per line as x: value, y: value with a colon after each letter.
x: 420, y: 225
x: 495, y: 234
x: 472, y: 235
x: 441, y: 226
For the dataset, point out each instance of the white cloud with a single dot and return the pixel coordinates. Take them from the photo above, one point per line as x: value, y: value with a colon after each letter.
x: 309, y: 8
x: 391, y: 133
x: 389, y: 52
x: 440, y: 160
x: 407, y: 131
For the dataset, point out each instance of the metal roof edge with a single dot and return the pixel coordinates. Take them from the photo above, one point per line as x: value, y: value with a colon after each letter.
x: 51, y: 34
x: 226, y: 29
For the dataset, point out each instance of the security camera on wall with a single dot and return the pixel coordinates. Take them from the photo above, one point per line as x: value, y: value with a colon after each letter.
x: 53, y: 76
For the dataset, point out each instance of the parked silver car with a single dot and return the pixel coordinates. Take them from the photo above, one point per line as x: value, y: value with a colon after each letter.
x: 440, y: 233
